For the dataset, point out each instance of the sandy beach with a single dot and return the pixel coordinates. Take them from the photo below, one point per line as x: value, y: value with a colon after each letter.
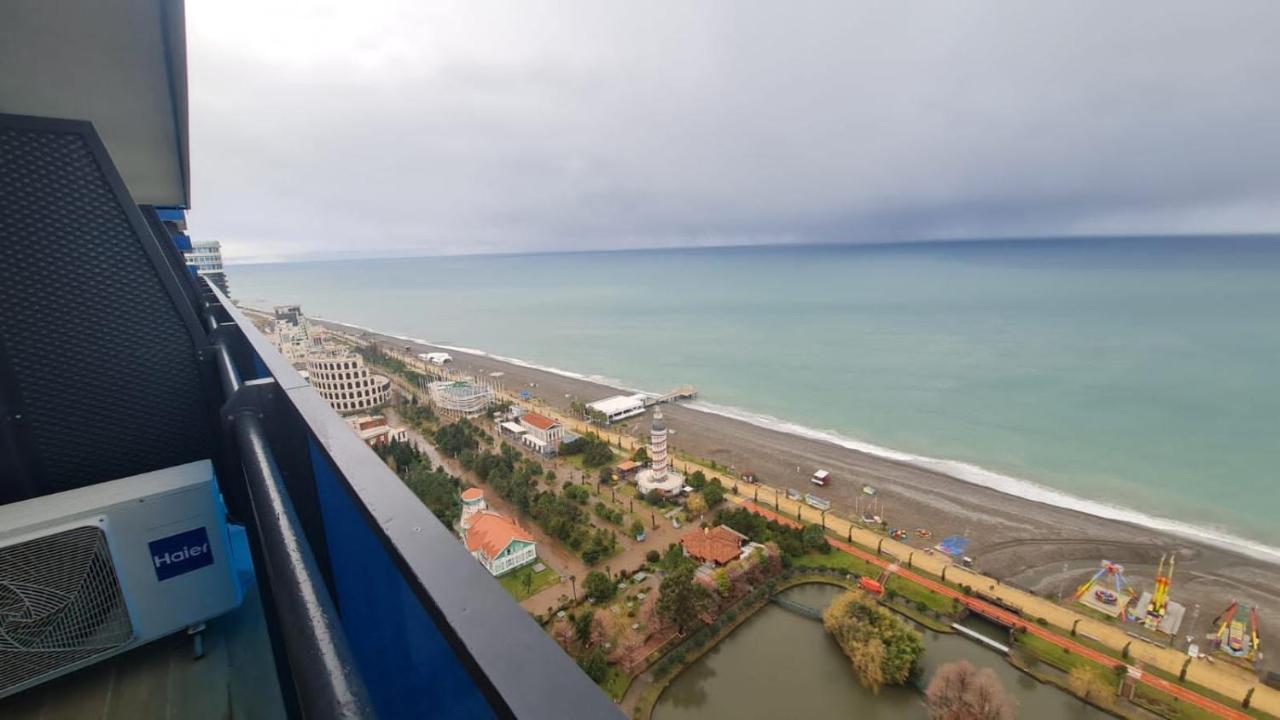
x: 1046, y: 549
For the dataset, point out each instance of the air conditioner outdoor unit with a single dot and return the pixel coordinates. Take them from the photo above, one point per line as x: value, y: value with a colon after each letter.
x: 89, y: 573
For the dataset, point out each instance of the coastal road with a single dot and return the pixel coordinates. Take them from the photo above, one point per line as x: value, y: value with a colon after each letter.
x: 1010, y: 619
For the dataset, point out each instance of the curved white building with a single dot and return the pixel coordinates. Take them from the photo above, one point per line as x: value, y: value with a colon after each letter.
x: 460, y: 396
x: 659, y: 476
x: 345, y: 383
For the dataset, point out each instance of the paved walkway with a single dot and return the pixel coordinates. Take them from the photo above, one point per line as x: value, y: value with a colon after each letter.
x: 1227, y: 679
x: 1010, y: 619
x: 550, y: 551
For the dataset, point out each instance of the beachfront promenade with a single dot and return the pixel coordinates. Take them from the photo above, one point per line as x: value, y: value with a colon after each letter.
x: 1010, y: 619
x: 1226, y: 679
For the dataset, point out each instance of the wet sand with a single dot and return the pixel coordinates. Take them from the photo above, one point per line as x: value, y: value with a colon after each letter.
x: 1042, y: 548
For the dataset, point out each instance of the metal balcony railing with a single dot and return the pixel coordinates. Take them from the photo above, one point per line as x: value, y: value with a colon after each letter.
x: 373, y: 607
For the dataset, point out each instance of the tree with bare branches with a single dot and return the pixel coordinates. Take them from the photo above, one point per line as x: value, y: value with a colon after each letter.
x: 959, y: 691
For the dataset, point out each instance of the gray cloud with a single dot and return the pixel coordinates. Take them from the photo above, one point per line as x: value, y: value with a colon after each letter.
x: 401, y: 128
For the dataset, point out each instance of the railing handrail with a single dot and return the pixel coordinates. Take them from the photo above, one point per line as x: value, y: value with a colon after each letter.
x: 321, y: 665
x: 516, y: 667
x: 323, y: 669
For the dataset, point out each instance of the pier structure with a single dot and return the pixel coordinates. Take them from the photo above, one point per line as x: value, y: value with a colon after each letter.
x: 684, y: 392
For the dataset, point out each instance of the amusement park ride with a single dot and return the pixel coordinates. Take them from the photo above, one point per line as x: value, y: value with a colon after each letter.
x: 1094, y: 592
x: 1158, y: 606
x: 1109, y: 592
x: 1231, y: 635
x: 1152, y: 608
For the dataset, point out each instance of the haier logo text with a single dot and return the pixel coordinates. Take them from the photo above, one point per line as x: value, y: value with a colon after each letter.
x: 181, y: 553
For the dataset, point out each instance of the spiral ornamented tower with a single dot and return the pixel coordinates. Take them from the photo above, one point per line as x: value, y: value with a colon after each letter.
x: 659, y: 475
x: 658, y: 447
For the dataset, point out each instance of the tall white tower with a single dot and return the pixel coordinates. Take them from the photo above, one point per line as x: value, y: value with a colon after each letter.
x: 658, y: 447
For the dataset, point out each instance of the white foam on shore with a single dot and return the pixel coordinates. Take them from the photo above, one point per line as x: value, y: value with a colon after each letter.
x: 1017, y: 487
x: 960, y: 470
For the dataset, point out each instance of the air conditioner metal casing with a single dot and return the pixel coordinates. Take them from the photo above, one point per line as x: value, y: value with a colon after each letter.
x: 166, y: 541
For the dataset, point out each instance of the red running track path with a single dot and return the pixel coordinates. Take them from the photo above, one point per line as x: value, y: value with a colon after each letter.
x: 1004, y: 617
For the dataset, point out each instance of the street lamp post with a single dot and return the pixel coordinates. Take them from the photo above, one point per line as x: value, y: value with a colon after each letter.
x: 573, y: 583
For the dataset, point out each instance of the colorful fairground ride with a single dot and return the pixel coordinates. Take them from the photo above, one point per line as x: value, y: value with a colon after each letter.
x: 1160, y: 614
x: 1109, y: 592
x: 1236, y: 638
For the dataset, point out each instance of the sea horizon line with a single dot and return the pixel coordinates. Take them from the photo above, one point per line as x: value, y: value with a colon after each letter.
x: 845, y: 245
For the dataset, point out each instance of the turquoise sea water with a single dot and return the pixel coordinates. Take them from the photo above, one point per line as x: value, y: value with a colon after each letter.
x: 1114, y: 375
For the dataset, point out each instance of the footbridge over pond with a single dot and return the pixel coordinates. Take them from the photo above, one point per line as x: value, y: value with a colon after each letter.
x: 797, y: 608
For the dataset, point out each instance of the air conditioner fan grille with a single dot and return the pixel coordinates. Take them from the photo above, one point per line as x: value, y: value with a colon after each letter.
x: 60, y: 603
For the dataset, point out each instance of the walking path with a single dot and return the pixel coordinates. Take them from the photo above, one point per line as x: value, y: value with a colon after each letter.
x: 1010, y: 619
x: 1224, y: 678
x: 550, y: 551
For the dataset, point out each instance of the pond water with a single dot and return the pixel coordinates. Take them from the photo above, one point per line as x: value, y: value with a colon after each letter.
x: 779, y: 664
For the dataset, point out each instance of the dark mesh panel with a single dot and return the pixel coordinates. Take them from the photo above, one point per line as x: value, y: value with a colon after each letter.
x: 104, y: 366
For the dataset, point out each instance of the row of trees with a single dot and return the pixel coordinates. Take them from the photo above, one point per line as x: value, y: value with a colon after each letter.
x: 437, y: 489
x: 519, y: 481
x: 791, y: 541
x: 420, y: 415
x: 458, y: 437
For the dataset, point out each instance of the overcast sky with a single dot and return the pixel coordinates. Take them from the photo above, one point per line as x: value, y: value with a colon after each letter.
x: 331, y: 129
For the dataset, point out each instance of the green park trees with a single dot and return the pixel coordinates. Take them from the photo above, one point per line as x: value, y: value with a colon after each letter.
x: 882, y: 648
x: 437, y: 489
x: 598, y: 586
x: 713, y: 493
x: 680, y: 599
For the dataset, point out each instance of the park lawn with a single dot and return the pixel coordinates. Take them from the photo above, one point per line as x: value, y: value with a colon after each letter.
x: 616, y: 682
x: 837, y: 560
x: 514, y: 581
x: 592, y: 472
x: 1051, y: 654
x: 1166, y: 706
x: 1184, y: 710
x: 920, y: 594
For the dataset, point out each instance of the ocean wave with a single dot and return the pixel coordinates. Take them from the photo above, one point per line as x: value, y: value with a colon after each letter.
x: 960, y: 470
x: 1017, y: 487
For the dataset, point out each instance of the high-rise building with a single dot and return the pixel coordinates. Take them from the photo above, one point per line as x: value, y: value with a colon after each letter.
x: 293, y: 336
x: 206, y: 257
